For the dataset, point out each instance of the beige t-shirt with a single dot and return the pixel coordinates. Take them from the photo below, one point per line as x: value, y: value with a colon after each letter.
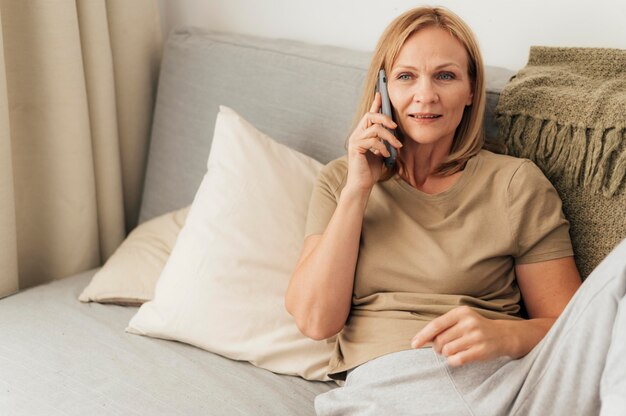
x: 422, y: 255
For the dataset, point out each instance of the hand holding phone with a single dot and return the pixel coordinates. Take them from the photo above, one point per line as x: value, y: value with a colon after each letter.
x: 385, y: 108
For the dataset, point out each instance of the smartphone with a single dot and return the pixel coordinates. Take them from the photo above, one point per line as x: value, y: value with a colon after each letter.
x: 385, y: 108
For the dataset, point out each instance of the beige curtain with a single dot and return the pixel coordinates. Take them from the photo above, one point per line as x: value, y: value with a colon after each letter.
x: 77, y: 89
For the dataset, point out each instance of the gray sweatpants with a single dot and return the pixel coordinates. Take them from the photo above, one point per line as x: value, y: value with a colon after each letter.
x: 579, y: 368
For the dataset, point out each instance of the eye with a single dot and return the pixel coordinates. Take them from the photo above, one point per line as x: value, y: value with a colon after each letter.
x: 446, y: 76
x: 404, y: 76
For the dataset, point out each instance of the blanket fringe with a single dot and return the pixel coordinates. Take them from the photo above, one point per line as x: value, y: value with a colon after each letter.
x: 591, y: 157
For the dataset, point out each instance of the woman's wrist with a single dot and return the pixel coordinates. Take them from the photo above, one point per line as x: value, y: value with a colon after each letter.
x: 355, y: 195
x: 524, y: 335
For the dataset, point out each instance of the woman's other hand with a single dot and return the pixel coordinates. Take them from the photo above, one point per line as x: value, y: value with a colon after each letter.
x: 463, y: 335
x: 366, y: 148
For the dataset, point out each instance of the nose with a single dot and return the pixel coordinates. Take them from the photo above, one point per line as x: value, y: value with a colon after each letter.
x: 425, y: 91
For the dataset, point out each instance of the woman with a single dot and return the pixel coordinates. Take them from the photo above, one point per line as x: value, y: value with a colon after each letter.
x: 419, y: 269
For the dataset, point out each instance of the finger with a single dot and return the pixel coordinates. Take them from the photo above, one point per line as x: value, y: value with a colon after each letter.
x: 378, y: 131
x: 372, y: 144
x: 376, y: 103
x: 455, y: 346
x: 376, y: 146
x: 444, y: 339
x: 434, y: 328
x: 384, y: 153
x: 463, y: 357
x: 388, y: 136
x: 379, y: 118
x: 366, y: 144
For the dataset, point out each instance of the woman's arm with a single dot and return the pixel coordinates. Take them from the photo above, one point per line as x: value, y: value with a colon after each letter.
x: 319, y: 294
x: 546, y: 289
x: 463, y: 335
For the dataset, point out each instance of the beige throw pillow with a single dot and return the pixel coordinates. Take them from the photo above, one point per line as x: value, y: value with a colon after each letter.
x: 131, y: 273
x: 223, y: 287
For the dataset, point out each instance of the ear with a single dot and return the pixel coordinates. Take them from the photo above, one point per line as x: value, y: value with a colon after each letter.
x: 470, y: 99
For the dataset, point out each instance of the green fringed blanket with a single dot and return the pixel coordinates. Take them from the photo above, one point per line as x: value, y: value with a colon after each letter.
x: 566, y: 111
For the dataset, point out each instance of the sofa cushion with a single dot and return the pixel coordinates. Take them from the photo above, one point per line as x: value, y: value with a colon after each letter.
x: 129, y: 276
x: 224, y: 284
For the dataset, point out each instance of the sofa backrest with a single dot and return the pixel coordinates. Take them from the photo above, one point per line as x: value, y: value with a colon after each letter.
x: 302, y: 95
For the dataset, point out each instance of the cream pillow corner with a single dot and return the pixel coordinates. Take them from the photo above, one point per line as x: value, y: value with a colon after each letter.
x: 223, y: 286
x: 130, y: 275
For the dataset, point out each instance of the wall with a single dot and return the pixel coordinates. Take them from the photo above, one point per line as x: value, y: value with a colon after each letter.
x: 505, y: 29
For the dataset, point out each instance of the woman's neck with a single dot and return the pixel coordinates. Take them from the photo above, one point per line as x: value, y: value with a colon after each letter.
x: 421, y: 161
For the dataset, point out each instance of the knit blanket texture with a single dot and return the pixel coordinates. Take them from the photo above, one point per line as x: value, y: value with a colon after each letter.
x: 566, y: 110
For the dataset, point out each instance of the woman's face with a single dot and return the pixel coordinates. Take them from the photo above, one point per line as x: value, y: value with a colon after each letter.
x: 429, y: 86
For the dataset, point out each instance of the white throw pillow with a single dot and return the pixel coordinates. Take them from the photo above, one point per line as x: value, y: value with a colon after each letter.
x: 223, y: 286
x: 130, y: 275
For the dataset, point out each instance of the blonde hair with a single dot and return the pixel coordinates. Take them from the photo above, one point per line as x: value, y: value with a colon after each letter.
x: 469, y: 137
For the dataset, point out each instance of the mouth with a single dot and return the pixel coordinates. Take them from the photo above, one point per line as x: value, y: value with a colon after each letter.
x: 425, y: 116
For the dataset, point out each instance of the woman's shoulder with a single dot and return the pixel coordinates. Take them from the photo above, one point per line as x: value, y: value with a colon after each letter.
x: 498, y: 159
x: 505, y: 165
x: 518, y: 175
x: 334, y: 172
x: 339, y: 164
x: 336, y: 168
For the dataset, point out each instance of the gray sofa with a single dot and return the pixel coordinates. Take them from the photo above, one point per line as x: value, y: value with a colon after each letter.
x: 62, y: 357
